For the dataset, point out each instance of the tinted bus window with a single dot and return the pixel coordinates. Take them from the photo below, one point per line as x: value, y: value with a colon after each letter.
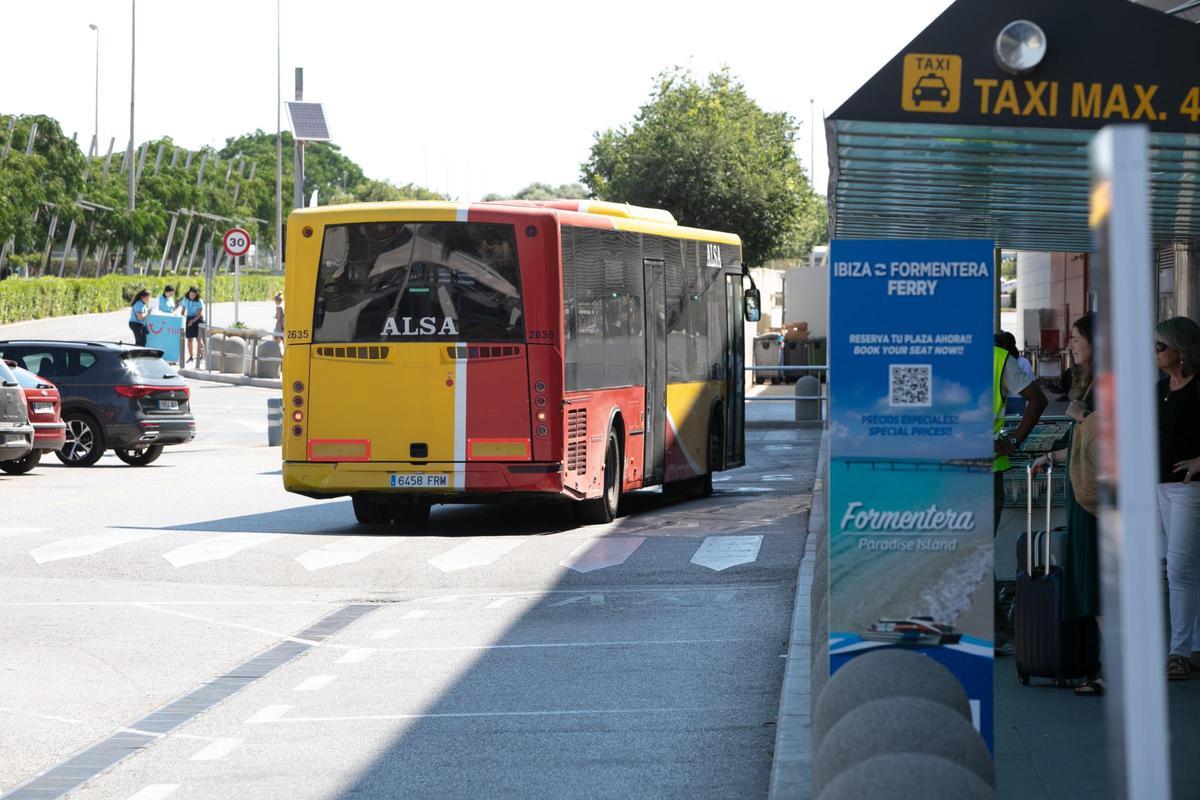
x: 432, y: 281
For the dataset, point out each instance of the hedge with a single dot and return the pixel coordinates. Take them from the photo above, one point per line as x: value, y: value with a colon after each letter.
x: 37, y: 298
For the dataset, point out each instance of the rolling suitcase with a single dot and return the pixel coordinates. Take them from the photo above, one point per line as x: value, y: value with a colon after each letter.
x: 1045, y: 645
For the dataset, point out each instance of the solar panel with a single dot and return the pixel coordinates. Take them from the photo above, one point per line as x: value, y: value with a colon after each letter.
x: 308, y: 121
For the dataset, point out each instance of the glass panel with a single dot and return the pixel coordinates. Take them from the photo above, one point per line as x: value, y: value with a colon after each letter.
x: 436, y: 281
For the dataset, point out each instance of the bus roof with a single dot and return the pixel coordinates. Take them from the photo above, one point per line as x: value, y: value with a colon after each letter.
x: 594, y: 213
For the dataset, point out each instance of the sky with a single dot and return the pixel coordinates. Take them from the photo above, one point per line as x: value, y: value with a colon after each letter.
x: 467, y: 98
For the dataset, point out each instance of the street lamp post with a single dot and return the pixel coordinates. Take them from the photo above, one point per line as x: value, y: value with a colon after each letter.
x: 96, y: 134
x: 132, y: 165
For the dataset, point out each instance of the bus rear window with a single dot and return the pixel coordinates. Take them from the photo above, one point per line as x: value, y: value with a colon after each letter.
x: 418, y: 281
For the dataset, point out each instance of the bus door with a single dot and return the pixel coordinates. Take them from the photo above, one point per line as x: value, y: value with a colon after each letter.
x: 735, y: 373
x: 656, y: 369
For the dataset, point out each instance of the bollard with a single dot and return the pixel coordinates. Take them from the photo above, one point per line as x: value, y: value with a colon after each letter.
x: 887, y: 673
x: 900, y: 725
x: 808, y: 410
x: 213, y: 352
x: 270, y: 358
x: 233, y: 359
x: 274, y: 421
x: 908, y: 775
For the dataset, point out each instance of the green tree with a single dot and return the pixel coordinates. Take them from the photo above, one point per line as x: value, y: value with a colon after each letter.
x: 378, y: 191
x: 34, y: 187
x: 711, y: 156
x: 544, y: 191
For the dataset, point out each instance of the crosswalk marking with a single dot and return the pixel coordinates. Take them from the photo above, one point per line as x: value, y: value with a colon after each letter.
x: 215, y: 548
x: 315, y: 683
x: 475, y: 553
x: 345, y: 550
x: 217, y: 750
x: 88, y: 545
x: 270, y: 714
x: 607, y: 551
x: 385, y: 634
x: 355, y: 654
x: 156, y: 791
x: 722, y: 552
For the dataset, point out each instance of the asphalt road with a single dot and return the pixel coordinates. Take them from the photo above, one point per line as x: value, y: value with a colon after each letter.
x: 508, y: 653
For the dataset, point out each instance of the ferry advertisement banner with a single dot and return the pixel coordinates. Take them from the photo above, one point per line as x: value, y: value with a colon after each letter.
x: 911, y: 449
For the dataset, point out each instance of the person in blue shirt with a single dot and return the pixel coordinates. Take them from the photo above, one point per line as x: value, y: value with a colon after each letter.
x: 166, y: 300
x: 139, y: 309
x: 192, y: 308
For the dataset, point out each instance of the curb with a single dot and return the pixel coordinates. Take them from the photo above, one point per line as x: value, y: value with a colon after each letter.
x: 791, y: 766
x: 235, y: 380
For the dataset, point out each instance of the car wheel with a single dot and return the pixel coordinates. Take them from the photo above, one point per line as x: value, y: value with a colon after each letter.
x: 85, y: 440
x: 22, y: 465
x: 603, y: 509
x: 371, y: 512
x: 140, y: 456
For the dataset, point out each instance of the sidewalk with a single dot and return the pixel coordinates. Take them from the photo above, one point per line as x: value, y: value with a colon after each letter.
x: 113, y: 326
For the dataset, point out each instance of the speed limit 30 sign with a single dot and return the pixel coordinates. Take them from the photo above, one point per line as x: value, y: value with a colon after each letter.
x: 236, y: 242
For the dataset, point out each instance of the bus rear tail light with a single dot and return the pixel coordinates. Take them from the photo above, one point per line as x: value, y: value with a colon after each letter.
x: 298, y: 416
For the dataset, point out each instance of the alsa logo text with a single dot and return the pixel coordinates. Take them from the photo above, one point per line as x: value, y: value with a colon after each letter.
x: 423, y: 326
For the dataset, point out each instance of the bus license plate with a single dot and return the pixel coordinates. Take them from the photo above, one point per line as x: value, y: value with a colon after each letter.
x: 420, y: 480
x: 168, y: 405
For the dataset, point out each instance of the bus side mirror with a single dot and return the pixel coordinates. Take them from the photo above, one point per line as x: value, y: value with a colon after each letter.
x: 753, y: 309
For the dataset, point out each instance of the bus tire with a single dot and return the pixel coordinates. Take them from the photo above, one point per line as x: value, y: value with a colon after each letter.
x: 603, y: 509
x: 411, y: 513
x: 369, y: 511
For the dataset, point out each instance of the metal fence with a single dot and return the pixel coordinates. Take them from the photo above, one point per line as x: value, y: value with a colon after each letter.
x: 819, y: 371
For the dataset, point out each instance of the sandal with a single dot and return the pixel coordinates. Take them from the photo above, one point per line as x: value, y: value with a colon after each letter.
x: 1092, y: 688
x: 1178, y: 668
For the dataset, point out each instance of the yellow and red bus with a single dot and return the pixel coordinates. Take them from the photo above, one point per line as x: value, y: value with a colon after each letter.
x: 451, y: 353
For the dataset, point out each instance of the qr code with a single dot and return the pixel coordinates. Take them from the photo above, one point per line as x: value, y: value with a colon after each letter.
x: 910, y: 385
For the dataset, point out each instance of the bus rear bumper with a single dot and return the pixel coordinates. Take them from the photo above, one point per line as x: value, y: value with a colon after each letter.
x: 466, y: 482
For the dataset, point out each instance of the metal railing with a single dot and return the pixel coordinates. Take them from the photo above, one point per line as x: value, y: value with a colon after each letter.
x: 822, y: 397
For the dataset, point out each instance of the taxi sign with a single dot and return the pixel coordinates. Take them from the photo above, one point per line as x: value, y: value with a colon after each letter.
x: 931, y: 82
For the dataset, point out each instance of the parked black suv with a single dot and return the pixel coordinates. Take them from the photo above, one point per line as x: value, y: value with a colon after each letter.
x: 114, y: 397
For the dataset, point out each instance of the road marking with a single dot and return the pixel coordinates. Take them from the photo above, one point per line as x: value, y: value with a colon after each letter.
x: 753, y: 489
x: 20, y: 713
x: 475, y: 553
x: 594, y: 599
x: 415, y: 615
x: 776, y: 478
x: 210, y: 620
x: 217, y: 750
x: 216, y: 548
x: 344, y: 551
x: 270, y: 714
x: 315, y: 683
x: 355, y: 655
x: 548, y: 713
x: 722, y: 552
x: 607, y: 551
x: 498, y: 603
x: 88, y: 545
x: 12, y: 533
x: 384, y: 634
x: 156, y: 791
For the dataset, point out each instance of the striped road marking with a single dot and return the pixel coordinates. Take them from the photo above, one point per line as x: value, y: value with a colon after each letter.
x: 345, y: 550
x: 355, y: 655
x: 88, y: 545
x: 217, y: 750
x: 607, y: 551
x: 315, y: 683
x: 475, y: 553
x: 215, y: 548
x: 722, y: 552
x: 156, y: 791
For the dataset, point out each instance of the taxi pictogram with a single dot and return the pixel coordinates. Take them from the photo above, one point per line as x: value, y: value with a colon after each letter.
x: 931, y: 82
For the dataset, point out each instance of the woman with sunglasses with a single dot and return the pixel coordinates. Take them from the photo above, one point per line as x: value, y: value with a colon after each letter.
x: 1177, y: 353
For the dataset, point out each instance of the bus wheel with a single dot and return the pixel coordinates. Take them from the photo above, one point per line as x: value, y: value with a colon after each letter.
x: 604, y: 508
x: 370, y: 512
x: 411, y: 513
